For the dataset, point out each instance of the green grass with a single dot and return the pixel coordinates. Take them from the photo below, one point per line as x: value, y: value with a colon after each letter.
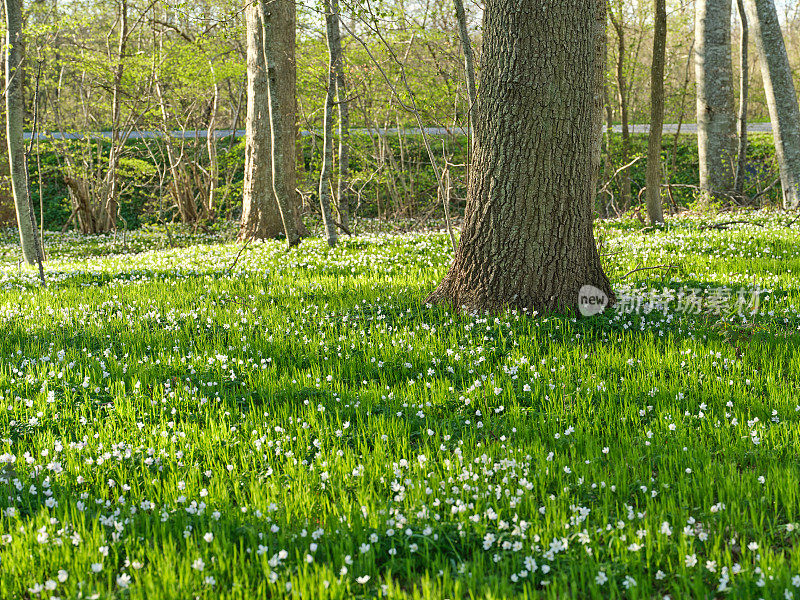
x: 302, y: 424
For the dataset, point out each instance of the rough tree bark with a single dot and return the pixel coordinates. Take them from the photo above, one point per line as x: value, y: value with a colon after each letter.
x: 270, y: 126
x: 260, y: 216
x: 744, y: 86
x: 331, y: 33
x: 781, y: 95
x: 654, y: 208
x: 527, y: 240
x: 278, y: 41
x: 15, y: 114
x: 716, y: 121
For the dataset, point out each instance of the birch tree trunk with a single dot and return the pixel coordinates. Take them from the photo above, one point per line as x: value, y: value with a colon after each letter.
x: 654, y: 208
x: 716, y: 129
x: 527, y: 240
x: 327, y: 138
x: 781, y: 95
x: 15, y: 114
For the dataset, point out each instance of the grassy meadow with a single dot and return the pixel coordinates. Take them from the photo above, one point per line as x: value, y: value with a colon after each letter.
x: 196, y: 420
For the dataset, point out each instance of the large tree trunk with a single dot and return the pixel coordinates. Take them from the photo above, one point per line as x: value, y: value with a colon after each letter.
x: 327, y: 136
x: 260, y: 216
x: 716, y: 121
x: 654, y: 208
x: 278, y: 40
x: 527, y: 240
x: 15, y: 113
x: 781, y: 96
x: 270, y: 199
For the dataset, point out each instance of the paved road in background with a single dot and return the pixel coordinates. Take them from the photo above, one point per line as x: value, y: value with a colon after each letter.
x: 692, y: 128
x: 432, y: 131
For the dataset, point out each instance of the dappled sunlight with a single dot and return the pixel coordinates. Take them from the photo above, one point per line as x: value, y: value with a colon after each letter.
x: 300, y: 419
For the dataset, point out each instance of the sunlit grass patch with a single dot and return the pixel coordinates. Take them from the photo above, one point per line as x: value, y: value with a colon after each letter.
x: 176, y: 423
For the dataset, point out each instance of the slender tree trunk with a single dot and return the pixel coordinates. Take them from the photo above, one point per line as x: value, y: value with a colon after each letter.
x: 287, y: 43
x: 527, y: 240
x: 327, y: 136
x: 211, y: 148
x: 110, y: 208
x: 622, y: 96
x: 781, y: 95
x: 654, y: 209
x: 6, y: 195
x: 15, y: 113
x: 684, y: 94
x: 744, y: 85
x: 343, y: 191
x: 180, y: 188
x: 469, y: 60
x: 608, y: 168
x: 716, y: 130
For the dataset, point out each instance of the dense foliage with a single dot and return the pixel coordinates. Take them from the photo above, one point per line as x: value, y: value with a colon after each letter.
x: 180, y: 67
x: 402, y: 184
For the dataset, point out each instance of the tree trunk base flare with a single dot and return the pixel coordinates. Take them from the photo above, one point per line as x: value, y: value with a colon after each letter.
x: 527, y: 241
x: 261, y: 219
x: 474, y: 288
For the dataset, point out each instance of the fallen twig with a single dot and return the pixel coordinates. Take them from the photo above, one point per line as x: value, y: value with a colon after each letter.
x: 649, y: 269
x: 724, y: 224
x: 236, y: 259
x: 793, y: 221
